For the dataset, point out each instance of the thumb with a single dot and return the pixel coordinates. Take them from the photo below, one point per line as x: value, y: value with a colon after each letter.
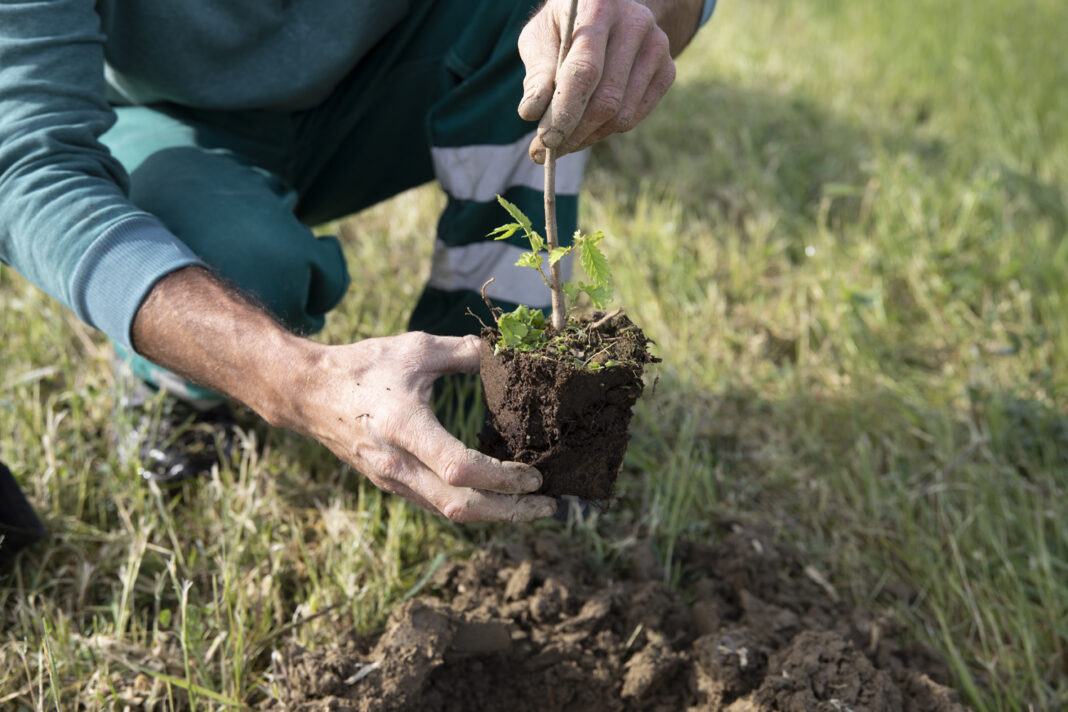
x: 538, y: 47
x: 454, y: 354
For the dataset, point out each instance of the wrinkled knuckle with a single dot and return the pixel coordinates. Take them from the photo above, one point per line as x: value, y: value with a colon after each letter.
x: 641, y: 17
x: 584, y: 74
x: 453, y: 473
x: 605, y: 106
x: 659, y: 42
x: 459, y: 509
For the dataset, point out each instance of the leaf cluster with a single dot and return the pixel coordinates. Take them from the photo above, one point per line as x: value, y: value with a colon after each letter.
x: 526, y: 327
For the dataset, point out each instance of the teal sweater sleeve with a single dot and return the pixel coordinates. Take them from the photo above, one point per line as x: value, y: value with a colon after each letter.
x: 65, y: 221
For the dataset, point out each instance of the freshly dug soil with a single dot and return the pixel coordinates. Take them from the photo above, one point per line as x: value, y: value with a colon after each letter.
x: 531, y: 626
x: 549, y: 410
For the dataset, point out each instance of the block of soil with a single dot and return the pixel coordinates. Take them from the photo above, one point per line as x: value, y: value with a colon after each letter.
x: 566, y: 408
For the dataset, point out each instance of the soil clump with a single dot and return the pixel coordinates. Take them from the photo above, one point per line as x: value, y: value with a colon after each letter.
x: 566, y: 408
x: 533, y: 625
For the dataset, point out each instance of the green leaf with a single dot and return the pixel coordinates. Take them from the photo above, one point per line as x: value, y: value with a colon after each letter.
x: 595, y: 264
x: 537, y: 244
x: 558, y: 254
x: 522, y: 329
x: 600, y: 295
x: 518, y: 215
x: 529, y: 259
x: 572, y: 291
x: 504, y: 231
x: 512, y: 331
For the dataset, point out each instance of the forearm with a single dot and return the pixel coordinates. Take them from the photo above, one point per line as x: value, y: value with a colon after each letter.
x: 679, y: 19
x: 197, y: 326
x: 367, y: 402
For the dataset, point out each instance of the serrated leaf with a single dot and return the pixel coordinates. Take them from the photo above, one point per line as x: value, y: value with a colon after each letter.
x: 518, y: 215
x: 571, y: 290
x: 595, y: 264
x: 600, y: 295
x: 529, y: 259
x: 558, y: 254
x: 504, y: 231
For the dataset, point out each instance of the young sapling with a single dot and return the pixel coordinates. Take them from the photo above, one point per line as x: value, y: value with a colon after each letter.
x: 527, y: 329
x: 560, y: 398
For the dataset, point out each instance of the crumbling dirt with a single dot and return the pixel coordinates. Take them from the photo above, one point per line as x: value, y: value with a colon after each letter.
x: 534, y: 626
x: 550, y: 410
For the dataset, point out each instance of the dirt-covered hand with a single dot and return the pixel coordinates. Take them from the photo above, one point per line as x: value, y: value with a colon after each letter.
x: 369, y: 403
x: 617, y: 70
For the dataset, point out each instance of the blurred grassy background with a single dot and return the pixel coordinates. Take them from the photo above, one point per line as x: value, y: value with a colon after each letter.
x: 846, y: 230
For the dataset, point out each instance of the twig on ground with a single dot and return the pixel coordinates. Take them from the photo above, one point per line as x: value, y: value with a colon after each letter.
x: 605, y: 319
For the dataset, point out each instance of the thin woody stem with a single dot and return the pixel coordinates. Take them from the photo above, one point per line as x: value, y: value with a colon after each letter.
x: 559, y: 301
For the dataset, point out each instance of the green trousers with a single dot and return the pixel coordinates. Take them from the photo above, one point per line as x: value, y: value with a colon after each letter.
x: 436, y: 99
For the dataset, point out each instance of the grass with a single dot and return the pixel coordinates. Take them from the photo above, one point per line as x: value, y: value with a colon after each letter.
x: 846, y: 230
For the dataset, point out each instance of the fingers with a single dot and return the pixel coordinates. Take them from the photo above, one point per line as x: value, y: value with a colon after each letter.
x: 458, y: 482
x: 643, y: 95
x: 616, y: 72
x: 462, y: 504
x: 539, y: 44
x: 577, y: 79
x: 647, y: 80
x: 457, y: 465
x: 402, y: 474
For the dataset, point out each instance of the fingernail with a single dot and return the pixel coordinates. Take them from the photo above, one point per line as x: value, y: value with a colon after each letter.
x: 552, y: 138
x: 547, y: 511
x: 531, y: 482
x: 539, y: 156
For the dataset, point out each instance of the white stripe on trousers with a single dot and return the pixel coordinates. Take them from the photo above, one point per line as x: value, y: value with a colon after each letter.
x: 480, y: 173
x: 470, y: 266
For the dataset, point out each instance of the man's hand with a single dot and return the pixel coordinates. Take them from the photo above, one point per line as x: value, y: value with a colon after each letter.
x: 367, y: 402
x: 618, y: 69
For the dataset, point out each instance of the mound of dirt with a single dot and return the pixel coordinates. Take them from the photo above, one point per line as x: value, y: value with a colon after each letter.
x: 532, y: 626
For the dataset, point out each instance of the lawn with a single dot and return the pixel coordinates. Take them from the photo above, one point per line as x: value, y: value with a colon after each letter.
x: 846, y: 228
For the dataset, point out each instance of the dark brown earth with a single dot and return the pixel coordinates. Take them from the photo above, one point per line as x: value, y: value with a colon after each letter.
x: 548, y: 410
x: 534, y: 626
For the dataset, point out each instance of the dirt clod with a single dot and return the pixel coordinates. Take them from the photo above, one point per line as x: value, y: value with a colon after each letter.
x: 531, y: 626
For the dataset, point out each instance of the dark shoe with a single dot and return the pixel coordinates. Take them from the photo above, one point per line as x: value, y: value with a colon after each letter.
x: 19, y: 525
x: 178, y: 443
x: 170, y: 440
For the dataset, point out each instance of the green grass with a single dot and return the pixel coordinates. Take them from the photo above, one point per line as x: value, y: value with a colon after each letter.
x: 846, y: 231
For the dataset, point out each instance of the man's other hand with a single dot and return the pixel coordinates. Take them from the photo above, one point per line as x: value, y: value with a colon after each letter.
x: 617, y: 70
